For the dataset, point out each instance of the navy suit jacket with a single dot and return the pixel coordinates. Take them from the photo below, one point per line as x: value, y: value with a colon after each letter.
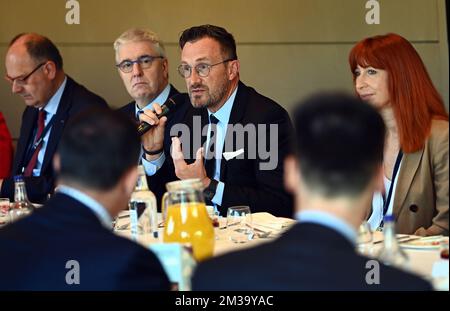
x: 166, y: 173
x: 36, y: 249
x: 245, y: 182
x: 306, y: 257
x: 74, y: 99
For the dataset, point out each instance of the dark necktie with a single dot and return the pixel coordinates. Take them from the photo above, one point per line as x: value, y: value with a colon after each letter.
x: 137, y: 116
x: 32, y: 163
x: 210, y: 159
x: 138, y: 121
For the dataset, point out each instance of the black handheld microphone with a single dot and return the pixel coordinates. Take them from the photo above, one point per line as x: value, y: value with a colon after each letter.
x: 167, y: 108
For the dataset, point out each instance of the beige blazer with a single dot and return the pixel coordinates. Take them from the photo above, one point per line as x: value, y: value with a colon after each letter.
x: 421, y: 196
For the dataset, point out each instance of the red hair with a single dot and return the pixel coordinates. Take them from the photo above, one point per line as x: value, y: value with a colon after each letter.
x: 413, y: 97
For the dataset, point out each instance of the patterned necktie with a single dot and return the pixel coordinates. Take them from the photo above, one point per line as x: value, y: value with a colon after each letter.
x: 41, y: 124
x: 210, y: 162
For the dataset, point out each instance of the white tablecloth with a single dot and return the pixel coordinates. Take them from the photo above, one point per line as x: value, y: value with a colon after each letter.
x: 421, y: 260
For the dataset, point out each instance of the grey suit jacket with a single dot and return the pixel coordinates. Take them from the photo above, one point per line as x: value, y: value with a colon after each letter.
x: 421, y: 196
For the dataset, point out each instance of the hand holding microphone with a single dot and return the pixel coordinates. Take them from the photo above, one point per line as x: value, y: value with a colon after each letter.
x: 166, y: 109
x: 152, y: 121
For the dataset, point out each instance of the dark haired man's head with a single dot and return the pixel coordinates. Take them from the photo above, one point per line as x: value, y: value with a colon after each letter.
x: 337, y: 164
x: 34, y: 67
x: 339, y: 144
x: 209, y: 65
x: 98, y: 147
x: 219, y: 34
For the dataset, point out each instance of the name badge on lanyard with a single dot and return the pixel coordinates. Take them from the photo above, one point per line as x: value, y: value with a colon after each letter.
x: 387, y: 200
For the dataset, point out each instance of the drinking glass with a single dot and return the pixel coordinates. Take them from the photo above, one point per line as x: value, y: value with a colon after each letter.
x: 365, y: 239
x: 4, y: 207
x: 443, y: 247
x: 239, y: 224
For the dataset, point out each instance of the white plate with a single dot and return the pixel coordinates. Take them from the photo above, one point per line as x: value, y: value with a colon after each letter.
x: 426, y: 243
x: 124, y: 214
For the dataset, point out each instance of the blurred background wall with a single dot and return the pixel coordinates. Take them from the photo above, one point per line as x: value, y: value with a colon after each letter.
x: 287, y: 48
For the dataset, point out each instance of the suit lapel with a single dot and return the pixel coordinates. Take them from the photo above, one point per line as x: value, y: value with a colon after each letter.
x: 131, y: 111
x: 236, y: 116
x: 238, y: 110
x: 193, y: 137
x: 204, y: 125
x: 204, y: 122
x: 58, y: 125
x: 28, y: 125
x: 408, y: 169
x: 173, y: 91
x: 175, y: 118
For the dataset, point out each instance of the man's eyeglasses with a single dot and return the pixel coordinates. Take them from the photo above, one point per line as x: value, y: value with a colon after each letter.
x: 23, y: 80
x: 145, y: 62
x: 202, y: 69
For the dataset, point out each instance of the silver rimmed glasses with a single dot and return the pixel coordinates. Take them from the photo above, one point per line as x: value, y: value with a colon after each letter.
x: 202, y: 69
x: 145, y: 61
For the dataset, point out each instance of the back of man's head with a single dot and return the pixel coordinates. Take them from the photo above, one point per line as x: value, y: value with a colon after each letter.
x: 97, y: 148
x: 339, y: 144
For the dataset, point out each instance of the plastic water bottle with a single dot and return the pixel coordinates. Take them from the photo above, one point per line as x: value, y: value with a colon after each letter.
x: 391, y: 253
x: 21, y: 206
x: 143, y: 208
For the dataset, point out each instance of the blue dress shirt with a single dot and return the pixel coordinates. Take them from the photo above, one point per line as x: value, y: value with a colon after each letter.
x: 223, y: 115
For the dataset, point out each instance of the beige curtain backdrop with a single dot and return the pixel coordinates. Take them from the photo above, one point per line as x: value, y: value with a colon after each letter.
x: 288, y: 48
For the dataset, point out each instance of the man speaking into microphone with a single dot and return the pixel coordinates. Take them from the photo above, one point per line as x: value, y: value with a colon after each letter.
x: 220, y: 105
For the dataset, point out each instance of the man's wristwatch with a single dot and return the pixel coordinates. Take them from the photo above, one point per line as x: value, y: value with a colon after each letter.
x: 210, y: 191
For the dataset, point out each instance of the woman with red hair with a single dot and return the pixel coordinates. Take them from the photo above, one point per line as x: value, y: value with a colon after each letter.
x: 5, y: 149
x: 389, y: 74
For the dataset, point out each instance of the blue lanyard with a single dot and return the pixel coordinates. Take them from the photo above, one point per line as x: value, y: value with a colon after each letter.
x: 394, y: 176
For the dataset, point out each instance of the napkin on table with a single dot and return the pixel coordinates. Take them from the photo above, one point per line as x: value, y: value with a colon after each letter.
x: 268, y: 222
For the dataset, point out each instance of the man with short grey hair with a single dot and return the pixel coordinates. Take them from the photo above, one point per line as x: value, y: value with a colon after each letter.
x: 143, y: 66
